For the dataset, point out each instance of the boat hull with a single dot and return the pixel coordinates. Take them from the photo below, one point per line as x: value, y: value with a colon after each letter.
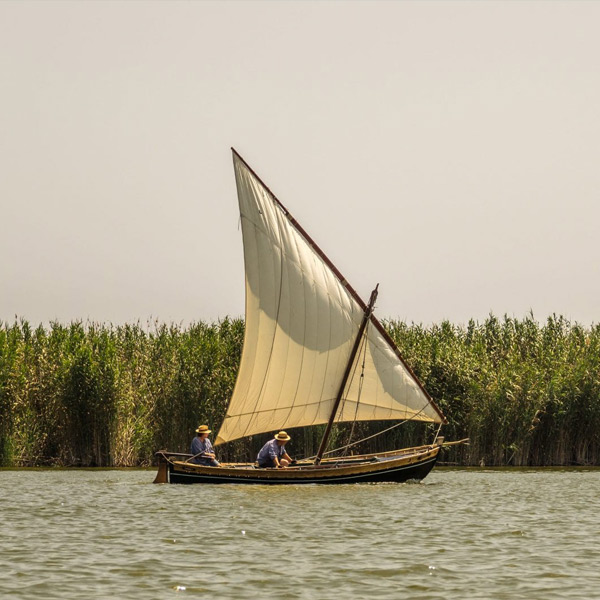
x: 391, y: 467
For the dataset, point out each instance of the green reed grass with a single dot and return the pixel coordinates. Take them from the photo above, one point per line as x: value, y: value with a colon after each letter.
x: 91, y: 394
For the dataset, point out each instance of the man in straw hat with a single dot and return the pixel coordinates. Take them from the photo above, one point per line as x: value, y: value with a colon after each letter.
x: 273, y: 453
x: 202, y: 448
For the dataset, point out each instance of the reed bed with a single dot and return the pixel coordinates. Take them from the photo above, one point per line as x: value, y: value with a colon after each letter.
x: 89, y: 394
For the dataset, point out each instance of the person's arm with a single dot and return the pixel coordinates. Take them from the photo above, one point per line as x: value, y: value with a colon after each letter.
x: 209, y: 453
x: 273, y: 455
x: 287, y: 457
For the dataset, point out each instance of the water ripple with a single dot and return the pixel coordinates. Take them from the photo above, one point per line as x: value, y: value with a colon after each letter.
x: 485, y: 534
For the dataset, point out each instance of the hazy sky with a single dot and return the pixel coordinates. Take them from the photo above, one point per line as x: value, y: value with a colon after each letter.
x: 447, y: 150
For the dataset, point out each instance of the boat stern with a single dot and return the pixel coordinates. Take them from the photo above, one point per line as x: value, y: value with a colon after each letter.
x: 162, y: 476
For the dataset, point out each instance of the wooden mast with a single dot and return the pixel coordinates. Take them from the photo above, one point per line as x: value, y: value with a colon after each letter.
x: 347, y: 285
x: 361, y: 331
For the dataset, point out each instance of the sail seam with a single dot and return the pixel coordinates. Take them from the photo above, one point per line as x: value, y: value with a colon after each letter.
x: 401, y: 411
x: 259, y: 395
x: 299, y: 378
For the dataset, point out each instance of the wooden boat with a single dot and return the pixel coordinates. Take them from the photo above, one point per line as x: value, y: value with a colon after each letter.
x: 314, y: 353
x: 398, y: 466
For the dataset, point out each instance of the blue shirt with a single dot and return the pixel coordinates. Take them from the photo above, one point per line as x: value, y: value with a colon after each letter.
x: 269, y: 451
x: 199, y: 446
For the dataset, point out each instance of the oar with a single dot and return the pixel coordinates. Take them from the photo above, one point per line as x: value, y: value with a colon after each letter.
x: 465, y: 441
x: 196, y: 456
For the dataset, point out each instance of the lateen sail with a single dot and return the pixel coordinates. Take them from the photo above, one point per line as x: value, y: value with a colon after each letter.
x: 301, y: 323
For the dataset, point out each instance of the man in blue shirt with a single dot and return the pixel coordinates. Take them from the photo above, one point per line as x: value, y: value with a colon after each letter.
x: 273, y: 453
x: 202, y: 448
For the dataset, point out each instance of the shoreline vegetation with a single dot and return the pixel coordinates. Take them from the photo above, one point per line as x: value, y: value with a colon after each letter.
x: 102, y: 395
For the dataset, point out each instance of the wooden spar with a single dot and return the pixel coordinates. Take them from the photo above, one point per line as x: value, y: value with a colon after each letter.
x: 345, y: 283
x: 336, y: 404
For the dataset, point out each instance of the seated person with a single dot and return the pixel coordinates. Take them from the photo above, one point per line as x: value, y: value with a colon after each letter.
x: 273, y: 453
x: 202, y: 448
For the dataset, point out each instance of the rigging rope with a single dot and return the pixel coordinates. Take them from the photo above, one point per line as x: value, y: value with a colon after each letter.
x: 360, y: 387
x: 363, y: 350
x: 351, y: 379
x: 341, y: 412
x: 374, y: 435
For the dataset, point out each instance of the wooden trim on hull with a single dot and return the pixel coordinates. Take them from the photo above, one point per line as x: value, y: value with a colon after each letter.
x: 404, y: 468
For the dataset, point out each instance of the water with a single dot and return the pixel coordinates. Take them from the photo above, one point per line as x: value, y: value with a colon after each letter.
x: 509, y: 534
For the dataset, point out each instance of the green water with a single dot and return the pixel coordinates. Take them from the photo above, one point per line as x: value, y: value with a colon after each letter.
x: 508, y: 534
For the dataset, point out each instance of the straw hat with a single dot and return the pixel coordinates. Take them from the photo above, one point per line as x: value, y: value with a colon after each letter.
x: 203, y: 429
x: 282, y: 436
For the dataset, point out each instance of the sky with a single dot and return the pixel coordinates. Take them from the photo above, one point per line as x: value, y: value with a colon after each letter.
x: 445, y: 150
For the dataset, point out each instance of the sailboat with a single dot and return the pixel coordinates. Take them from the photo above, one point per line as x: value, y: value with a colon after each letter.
x: 313, y: 353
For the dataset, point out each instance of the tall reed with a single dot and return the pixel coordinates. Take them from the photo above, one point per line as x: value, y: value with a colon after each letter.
x: 92, y: 394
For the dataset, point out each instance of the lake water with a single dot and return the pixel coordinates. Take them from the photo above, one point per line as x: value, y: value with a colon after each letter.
x: 509, y: 534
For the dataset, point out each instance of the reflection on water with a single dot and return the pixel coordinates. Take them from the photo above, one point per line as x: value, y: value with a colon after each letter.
x: 459, y: 534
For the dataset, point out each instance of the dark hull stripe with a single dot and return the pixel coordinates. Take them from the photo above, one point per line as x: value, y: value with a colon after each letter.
x: 397, y: 474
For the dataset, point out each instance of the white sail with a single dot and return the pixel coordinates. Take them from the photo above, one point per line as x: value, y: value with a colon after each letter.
x: 301, y: 324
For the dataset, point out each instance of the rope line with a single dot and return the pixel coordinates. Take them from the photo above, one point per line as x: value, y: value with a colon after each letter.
x: 360, y: 387
x: 374, y: 435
